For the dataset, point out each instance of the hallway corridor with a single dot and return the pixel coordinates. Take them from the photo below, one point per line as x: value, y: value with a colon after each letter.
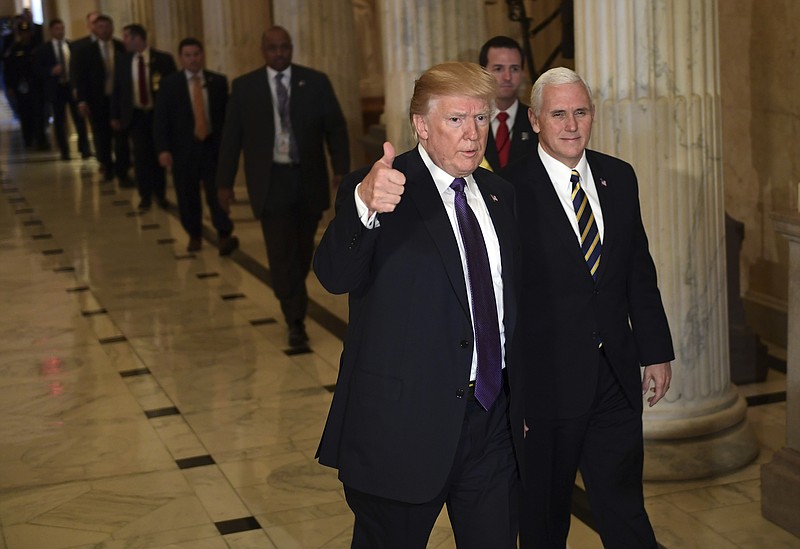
x: 148, y: 398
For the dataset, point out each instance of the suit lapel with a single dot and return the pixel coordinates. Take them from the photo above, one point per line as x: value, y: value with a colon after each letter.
x: 552, y: 210
x: 423, y: 193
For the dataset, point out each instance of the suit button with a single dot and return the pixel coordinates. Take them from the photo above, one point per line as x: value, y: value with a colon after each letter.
x: 460, y: 393
x: 464, y: 344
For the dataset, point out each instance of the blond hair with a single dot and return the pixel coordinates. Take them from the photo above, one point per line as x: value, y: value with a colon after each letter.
x: 451, y: 79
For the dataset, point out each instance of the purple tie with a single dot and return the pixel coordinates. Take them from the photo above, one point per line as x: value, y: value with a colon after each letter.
x: 489, y: 379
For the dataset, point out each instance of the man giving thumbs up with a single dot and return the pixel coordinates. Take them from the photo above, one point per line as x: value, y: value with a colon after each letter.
x: 424, y: 245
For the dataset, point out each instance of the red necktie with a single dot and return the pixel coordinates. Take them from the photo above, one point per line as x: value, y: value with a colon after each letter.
x: 143, y: 98
x: 501, y: 139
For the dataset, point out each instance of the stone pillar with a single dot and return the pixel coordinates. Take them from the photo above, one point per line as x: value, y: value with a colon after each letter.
x: 780, y: 478
x: 125, y: 12
x: 654, y: 74
x: 417, y: 35
x: 232, y: 35
x: 174, y: 21
x: 324, y: 38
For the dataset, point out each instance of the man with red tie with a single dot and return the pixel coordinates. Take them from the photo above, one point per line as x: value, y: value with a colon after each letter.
x: 137, y: 80
x: 511, y: 136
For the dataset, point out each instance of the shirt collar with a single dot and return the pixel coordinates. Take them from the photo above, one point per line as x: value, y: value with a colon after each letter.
x: 286, y: 73
x: 441, y: 178
x: 512, y: 111
x: 189, y: 74
x: 560, y: 172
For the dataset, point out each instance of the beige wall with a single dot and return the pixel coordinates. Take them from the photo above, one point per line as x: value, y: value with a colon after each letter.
x: 761, y: 137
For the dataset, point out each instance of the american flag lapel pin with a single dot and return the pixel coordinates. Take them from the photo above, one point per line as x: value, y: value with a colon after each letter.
x: 603, y: 182
x: 494, y: 198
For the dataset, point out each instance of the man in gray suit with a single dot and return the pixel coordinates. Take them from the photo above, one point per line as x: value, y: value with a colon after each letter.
x: 282, y: 117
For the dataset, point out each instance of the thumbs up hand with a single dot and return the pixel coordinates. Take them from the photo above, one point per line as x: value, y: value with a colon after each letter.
x: 383, y: 186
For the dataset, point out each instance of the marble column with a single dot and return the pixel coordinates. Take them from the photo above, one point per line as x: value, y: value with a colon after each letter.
x: 324, y: 38
x: 417, y: 35
x: 174, y: 21
x: 653, y: 69
x: 232, y: 35
x: 780, y: 478
x: 125, y: 12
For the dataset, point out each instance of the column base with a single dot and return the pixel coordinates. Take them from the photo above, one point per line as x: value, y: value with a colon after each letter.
x: 712, y: 443
x: 780, y: 490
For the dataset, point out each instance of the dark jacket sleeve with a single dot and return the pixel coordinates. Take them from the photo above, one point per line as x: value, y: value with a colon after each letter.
x: 231, y: 144
x: 342, y: 260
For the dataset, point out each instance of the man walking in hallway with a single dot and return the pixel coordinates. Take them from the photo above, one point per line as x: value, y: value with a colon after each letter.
x: 282, y: 117
x: 189, y: 117
x: 590, y: 315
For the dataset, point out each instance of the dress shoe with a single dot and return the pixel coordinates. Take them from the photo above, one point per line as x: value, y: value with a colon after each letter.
x: 227, y: 244
x: 194, y: 244
x: 297, y: 335
x: 162, y: 202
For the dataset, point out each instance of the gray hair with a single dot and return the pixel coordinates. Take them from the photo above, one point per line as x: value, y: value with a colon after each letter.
x: 554, y: 77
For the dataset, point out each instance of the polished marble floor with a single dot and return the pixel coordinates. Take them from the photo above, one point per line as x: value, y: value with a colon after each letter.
x: 147, y: 398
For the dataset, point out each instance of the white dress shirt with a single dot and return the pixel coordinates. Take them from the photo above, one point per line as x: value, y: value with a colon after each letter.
x: 559, y: 176
x: 145, y: 54
x: 512, y: 115
x: 443, y: 180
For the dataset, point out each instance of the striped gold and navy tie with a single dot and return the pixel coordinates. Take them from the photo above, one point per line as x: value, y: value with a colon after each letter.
x: 587, y: 227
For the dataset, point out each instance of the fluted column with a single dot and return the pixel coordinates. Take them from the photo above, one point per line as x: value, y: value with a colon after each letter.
x: 780, y: 478
x: 416, y: 36
x: 653, y: 69
x: 125, y: 12
x: 174, y: 21
x: 232, y: 34
x: 324, y: 38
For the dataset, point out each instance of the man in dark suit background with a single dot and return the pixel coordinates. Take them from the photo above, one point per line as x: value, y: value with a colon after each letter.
x: 93, y: 74
x: 137, y: 81
x: 425, y: 245
x: 511, y: 136
x: 189, y: 117
x: 282, y: 117
x: 590, y: 316
x: 53, y: 63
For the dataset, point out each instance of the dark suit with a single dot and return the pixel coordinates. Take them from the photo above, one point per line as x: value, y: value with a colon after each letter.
x: 58, y: 92
x: 288, y: 199
x: 394, y: 430
x: 138, y: 120
x: 583, y: 403
x: 193, y: 161
x: 89, y: 77
x: 523, y: 139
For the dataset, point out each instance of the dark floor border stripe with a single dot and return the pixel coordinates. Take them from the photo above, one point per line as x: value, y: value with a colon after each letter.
x: 94, y: 312
x: 196, y: 461
x: 54, y: 251
x: 113, y: 339
x: 767, y: 398
x: 32, y: 223
x: 234, y: 526
x: 330, y: 388
x: 78, y: 289
x: 162, y: 412
x: 207, y: 275
x: 262, y: 321
x: 135, y: 372
x: 42, y: 236
x: 298, y: 351
x: 64, y: 269
x: 233, y: 296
